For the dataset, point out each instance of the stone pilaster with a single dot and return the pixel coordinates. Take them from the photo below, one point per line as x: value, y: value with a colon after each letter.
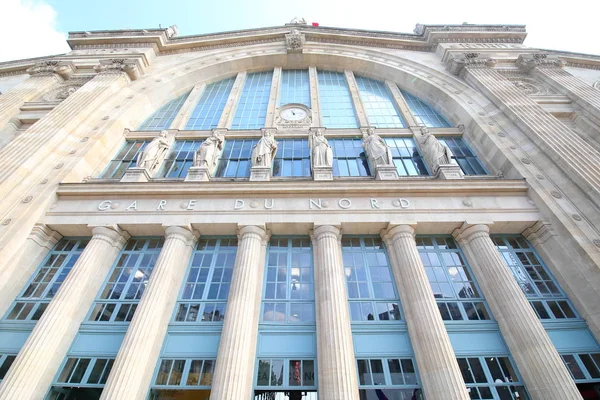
x: 44, y: 76
x: 315, y: 102
x: 358, y: 105
x: 401, y: 103
x: 335, y: 351
x: 232, y: 100
x: 550, y: 71
x: 439, y: 371
x: 234, y: 370
x: 273, y: 97
x: 38, y: 361
x: 552, y: 136
x: 14, y: 277
x: 542, y: 369
x: 132, y: 371
x: 188, y: 107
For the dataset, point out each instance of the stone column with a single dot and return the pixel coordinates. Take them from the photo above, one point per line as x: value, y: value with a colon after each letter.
x: 542, y: 369
x: 188, y: 107
x: 358, y: 105
x: 24, y: 264
x: 232, y: 100
x: 44, y: 76
x: 552, y: 136
x: 335, y: 352
x: 233, y: 378
x: 38, y: 361
x: 550, y: 71
x: 438, y: 368
x: 132, y: 371
x: 273, y: 97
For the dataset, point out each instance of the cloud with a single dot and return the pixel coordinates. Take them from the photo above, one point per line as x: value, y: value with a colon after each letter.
x: 31, y: 30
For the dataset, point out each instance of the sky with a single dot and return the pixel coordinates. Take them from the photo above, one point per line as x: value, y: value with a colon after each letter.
x: 39, y: 27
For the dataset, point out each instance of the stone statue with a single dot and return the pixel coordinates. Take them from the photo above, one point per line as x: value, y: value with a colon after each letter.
x: 322, y: 155
x: 298, y: 21
x: 264, y: 151
x: 208, y: 152
x: 154, y: 152
x: 377, y: 150
x: 434, y: 152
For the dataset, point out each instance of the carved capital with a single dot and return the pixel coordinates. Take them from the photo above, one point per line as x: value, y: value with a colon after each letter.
x: 294, y: 41
x: 469, y: 60
x: 52, y: 67
x: 528, y: 62
x: 118, y: 66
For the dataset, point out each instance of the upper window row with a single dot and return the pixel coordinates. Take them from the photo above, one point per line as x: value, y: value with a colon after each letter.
x: 293, y: 158
x: 337, y: 108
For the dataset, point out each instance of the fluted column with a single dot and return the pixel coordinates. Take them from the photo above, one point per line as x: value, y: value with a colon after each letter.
x: 16, y: 273
x: 438, y: 368
x: 133, y: 368
x: 37, y: 363
x: 335, y: 351
x: 538, y: 361
x: 43, y: 77
x: 559, y: 142
x: 234, y: 369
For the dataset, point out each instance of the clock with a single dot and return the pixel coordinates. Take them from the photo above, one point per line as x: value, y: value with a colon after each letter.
x: 293, y: 114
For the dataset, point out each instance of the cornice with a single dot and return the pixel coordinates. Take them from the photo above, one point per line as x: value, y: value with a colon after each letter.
x: 467, y: 187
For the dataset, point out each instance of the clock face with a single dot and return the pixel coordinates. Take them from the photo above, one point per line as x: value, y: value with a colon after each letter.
x: 293, y: 114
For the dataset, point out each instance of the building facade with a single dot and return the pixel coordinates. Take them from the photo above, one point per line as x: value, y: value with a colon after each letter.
x: 300, y: 212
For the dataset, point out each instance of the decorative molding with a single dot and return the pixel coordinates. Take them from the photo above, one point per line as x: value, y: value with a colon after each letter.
x: 528, y: 62
x: 471, y: 60
x: 119, y: 65
x: 52, y: 67
x: 294, y: 41
x: 527, y: 83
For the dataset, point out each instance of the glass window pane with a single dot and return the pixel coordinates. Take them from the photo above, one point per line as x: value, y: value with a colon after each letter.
x: 251, y: 110
x: 379, y: 106
x: 210, y: 106
x: 337, y: 110
x: 423, y: 113
x: 163, y: 118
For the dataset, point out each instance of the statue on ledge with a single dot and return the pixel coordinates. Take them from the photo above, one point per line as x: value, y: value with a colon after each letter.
x: 322, y: 155
x: 208, y: 152
x: 435, y: 152
x: 377, y: 150
x: 264, y: 151
x: 154, y: 153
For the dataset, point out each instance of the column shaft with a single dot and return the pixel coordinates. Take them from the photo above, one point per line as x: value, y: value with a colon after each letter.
x: 273, y: 97
x: 234, y: 369
x: 315, y: 104
x: 538, y: 361
x: 232, y: 100
x: 28, y: 90
x: 37, y: 363
x: 552, y: 136
x: 335, y: 351
x: 132, y: 371
x: 438, y: 368
x: 358, y: 105
x: 18, y: 270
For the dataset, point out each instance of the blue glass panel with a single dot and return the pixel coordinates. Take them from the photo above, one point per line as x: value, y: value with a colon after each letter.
x: 252, y: 107
x: 163, y: 118
x: 292, y: 159
x: 204, y: 294
x: 349, y: 157
x: 337, y: 110
x: 126, y: 158
x: 294, y: 87
x: 209, y: 108
x: 378, y: 104
x: 128, y: 278
x: 424, y: 113
x: 32, y: 302
x: 544, y: 294
x: 179, y: 159
x: 406, y: 156
x: 463, y: 155
x: 235, y: 159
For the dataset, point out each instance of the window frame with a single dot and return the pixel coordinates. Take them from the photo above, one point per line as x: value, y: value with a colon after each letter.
x: 282, y: 157
x: 360, y: 160
x: 123, y: 160
x: 210, y: 113
x: 252, y: 105
x: 469, y: 159
x: 588, y: 378
x: 286, y: 374
x: 490, y: 383
x: 170, y: 110
x: 183, y: 382
x: 372, y: 106
x: 174, y: 159
x: 222, y: 169
x: 328, y: 108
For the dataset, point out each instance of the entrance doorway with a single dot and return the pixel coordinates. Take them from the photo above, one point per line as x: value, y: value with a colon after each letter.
x: 287, y: 395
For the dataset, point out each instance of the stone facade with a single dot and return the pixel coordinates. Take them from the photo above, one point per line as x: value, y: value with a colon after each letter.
x: 532, y: 117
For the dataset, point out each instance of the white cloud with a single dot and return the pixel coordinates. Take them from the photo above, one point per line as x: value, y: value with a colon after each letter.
x: 30, y: 29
